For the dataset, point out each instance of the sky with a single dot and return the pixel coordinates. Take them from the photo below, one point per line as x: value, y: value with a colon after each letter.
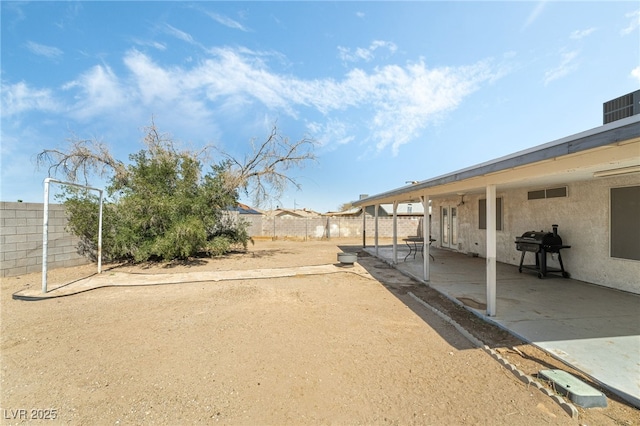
x: 392, y: 92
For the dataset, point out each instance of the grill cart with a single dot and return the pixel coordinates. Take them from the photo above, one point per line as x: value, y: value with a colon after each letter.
x: 540, y: 244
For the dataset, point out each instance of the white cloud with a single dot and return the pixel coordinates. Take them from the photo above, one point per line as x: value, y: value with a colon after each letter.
x: 226, y: 21
x: 634, y: 22
x: 18, y: 98
x: 580, y: 34
x: 152, y: 82
x: 635, y: 73
x: 332, y: 133
x: 100, y: 92
x: 365, y: 53
x: 179, y: 34
x: 535, y: 13
x: 154, y: 44
x: 385, y: 107
x: 566, y: 67
x: 50, y: 52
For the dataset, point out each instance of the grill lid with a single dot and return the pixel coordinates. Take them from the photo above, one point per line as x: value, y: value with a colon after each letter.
x: 541, y: 238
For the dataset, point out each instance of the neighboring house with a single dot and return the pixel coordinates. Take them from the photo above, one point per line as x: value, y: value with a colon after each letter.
x: 243, y: 209
x: 588, y: 184
x: 250, y: 216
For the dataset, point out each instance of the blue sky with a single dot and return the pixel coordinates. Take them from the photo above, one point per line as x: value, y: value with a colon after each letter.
x: 392, y: 91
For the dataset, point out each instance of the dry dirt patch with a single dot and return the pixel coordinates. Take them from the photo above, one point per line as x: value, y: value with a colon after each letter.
x: 342, y: 348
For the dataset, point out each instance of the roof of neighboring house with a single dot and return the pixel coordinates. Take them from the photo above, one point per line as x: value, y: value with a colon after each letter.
x: 354, y: 211
x: 294, y: 212
x: 577, y: 157
x: 244, y: 209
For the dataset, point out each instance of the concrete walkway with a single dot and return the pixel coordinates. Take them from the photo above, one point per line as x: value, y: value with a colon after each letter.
x: 592, y: 328
x: 123, y: 279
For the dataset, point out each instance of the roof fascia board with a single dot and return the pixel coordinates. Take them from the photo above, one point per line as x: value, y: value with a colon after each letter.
x: 611, y: 133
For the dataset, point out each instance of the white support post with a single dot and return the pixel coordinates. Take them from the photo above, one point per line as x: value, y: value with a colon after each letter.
x: 375, y: 215
x: 491, y: 250
x: 425, y: 238
x: 395, y: 232
x: 364, y: 226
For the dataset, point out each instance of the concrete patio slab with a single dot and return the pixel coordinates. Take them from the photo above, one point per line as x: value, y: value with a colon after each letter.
x: 591, y: 328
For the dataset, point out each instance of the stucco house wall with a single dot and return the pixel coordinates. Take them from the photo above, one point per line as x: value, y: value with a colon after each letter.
x: 583, y: 222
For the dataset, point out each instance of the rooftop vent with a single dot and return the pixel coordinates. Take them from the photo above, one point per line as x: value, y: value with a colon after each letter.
x: 622, y: 107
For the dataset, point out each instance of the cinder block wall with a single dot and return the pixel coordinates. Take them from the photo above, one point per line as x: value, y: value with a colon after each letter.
x: 21, y: 239
x: 327, y: 226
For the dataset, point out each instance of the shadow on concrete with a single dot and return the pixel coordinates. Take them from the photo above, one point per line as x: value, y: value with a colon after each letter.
x: 400, y: 285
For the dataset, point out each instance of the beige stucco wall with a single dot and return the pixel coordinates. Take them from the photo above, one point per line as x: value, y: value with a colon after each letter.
x: 583, y: 223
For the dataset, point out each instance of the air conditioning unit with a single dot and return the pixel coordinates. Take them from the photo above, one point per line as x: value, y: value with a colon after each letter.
x: 622, y: 107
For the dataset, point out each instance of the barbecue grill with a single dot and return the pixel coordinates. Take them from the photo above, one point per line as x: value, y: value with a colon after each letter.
x: 540, y: 244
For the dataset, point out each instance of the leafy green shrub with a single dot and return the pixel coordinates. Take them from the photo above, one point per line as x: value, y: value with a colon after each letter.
x: 162, y: 208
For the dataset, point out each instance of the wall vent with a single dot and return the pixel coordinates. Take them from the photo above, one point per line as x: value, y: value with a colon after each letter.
x: 622, y: 107
x: 540, y: 194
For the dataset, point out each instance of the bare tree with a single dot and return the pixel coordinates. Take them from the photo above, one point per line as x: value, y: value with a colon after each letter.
x: 263, y: 173
x: 83, y: 158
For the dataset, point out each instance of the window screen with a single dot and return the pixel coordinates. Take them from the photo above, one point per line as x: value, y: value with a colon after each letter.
x: 625, y: 225
x: 482, y: 214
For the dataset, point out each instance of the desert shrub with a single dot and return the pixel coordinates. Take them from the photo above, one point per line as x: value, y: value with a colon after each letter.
x: 162, y: 209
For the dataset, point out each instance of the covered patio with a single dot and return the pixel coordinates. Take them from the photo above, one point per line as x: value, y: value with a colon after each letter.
x: 591, y: 328
x: 589, y: 184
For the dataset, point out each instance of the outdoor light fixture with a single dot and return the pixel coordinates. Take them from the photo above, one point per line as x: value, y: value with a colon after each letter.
x: 616, y: 172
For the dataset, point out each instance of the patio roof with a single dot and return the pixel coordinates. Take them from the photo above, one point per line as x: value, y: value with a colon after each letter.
x: 577, y: 157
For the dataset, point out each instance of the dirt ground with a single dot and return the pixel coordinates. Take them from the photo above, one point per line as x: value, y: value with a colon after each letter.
x: 350, y: 347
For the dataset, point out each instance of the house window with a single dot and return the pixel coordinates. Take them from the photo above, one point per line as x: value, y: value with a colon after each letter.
x: 547, y: 193
x: 409, y: 208
x: 482, y: 214
x: 625, y: 226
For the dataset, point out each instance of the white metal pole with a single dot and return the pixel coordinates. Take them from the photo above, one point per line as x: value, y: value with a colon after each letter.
x: 491, y: 250
x: 45, y: 234
x: 45, y: 227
